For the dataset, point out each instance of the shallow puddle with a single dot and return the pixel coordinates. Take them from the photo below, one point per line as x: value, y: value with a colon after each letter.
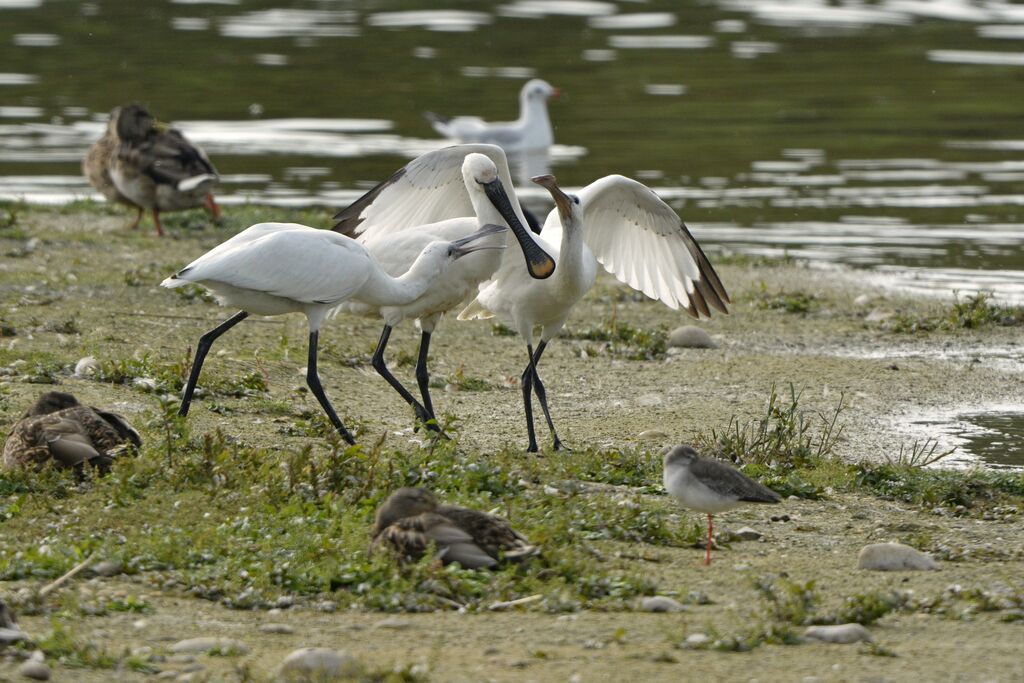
x: 994, y: 439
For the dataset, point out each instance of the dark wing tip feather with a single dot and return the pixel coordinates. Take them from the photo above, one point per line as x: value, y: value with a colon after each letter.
x: 349, y: 218
x: 706, y: 269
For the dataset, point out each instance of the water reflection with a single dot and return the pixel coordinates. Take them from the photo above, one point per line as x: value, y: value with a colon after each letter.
x: 994, y: 437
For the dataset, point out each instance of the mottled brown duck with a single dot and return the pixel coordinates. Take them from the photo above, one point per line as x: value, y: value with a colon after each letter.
x: 58, y: 429
x: 411, y: 520
x: 146, y: 164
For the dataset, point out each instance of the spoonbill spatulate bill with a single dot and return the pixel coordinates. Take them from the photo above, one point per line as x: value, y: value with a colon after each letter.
x: 710, y: 486
x: 532, y: 130
x: 276, y: 268
x: 442, y: 195
x: 621, y: 224
x: 150, y: 166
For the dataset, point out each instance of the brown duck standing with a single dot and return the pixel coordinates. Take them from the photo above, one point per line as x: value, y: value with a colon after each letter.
x: 411, y: 519
x: 146, y: 164
x: 59, y: 428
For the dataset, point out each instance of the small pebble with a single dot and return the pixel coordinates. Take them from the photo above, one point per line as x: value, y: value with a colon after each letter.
x: 660, y: 603
x: 319, y: 664
x: 86, y: 367
x: 840, y: 633
x: 887, y: 557
x: 37, y: 671
x: 697, y: 640
x: 747, y: 534
x: 780, y: 518
x: 690, y: 337
x: 224, y: 646
x: 652, y: 435
x: 276, y: 628
x: 106, y: 568
x: 394, y: 623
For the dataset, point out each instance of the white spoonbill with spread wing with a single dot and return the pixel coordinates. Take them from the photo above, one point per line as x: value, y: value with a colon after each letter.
x: 442, y: 195
x: 621, y: 224
x: 532, y: 130
x: 276, y: 268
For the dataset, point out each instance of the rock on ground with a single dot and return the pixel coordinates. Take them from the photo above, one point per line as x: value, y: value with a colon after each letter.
x: 690, y: 337
x: 34, y: 669
x: 226, y: 646
x: 839, y: 633
x: 888, y: 557
x: 319, y: 665
x: 660, y: 603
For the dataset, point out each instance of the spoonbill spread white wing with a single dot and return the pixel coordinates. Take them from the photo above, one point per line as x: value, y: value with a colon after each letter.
x: 641, y: 240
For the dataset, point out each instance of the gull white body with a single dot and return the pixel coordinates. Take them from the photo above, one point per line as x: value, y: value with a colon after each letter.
x: 441, y: 195
x: 532, y: 130
x: 624, y: 226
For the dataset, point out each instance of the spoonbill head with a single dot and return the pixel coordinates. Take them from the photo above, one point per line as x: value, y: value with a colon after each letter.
x: 570, y: 212
x: 480, y: 172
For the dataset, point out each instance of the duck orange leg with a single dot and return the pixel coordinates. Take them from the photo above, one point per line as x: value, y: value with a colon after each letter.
x: 707, y: 554
x: 135, y: 224
x: 211, y: 206
x: 156, y: 222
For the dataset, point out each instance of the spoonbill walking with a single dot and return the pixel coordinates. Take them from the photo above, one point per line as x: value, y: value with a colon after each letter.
x: 276, y: 268
x: 442, y: 195
x: 621, y: 224
x: 710, y: 486
x: 532, y: 130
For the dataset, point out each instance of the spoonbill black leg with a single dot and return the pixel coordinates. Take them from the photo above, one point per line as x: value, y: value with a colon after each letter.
x: 382, y: 369
x: 313, y: 381
x: 527, y: 384
x: 203, y: 348
x: 423, y: 375
x: 538, y: 388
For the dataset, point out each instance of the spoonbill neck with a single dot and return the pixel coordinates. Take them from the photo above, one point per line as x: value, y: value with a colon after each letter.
x: 382, y: 289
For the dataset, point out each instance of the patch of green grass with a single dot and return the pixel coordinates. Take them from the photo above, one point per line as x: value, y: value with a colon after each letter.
x: 461, y: 381
x: 788, y: 601
x: 622, y: 340
x: 867, y: 608
x: 796, y: 302
x: 783, y: 439
x: 975, y: 311
x: 935, y: 487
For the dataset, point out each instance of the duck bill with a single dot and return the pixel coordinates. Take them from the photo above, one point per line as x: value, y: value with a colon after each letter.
x: 538, y: 263
x: 469, y: 243
x: 562, y: 200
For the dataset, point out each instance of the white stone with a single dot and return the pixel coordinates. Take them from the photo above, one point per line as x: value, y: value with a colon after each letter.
x: 394, y: 623
x: 86, y: 367
x: 888, y: 557
x: 211, y: 644
x: 747, y: 534
x: 9, y: 636
x: 839, y: 633
x: 276, y: 628
x: 697, y: 639
x: 652, y: 435
x: 319, y: 665
x: 690, y: 337
x: 37, y: 671
x: 660, y: 603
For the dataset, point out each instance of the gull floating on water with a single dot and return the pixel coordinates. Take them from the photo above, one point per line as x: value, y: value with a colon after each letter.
x: 710, y: 486
x: 624, y: 226
x: 532, y: 130
x: 146, y: 164
x: 441, y: 195
x: 411, y: 520
x: 276, y: 268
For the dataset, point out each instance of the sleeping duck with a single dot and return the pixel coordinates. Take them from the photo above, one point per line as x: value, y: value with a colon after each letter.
x: 58, y: 428
x: 148, y: 165
x: 411, y: 520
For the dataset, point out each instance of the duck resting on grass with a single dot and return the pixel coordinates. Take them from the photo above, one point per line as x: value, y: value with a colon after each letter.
x: 276, y: 268
x: 146, y: 164
x: 710, y: 486
x: 59, y: 429
x: 411, y: 520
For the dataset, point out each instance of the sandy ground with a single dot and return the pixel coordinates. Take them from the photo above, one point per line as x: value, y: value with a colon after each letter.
x: 597, y: 399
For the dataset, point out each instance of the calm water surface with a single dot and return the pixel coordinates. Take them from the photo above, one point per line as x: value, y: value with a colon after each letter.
x: 886, y: 135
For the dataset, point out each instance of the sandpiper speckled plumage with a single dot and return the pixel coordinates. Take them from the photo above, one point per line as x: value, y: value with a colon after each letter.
x: 411, y: 519
x: 710, y: 486
x: 58, y: 428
